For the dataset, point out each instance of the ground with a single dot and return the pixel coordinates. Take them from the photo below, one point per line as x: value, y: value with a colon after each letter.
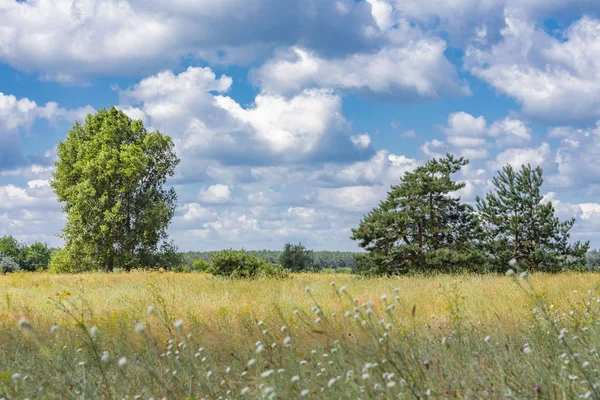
x: 323, y: 336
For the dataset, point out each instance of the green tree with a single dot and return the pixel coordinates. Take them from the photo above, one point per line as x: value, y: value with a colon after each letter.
x: 296, y: 258
x: 520, y: 225
x: 420, y: 226
x: 110, y: 174
x: 37, y: 257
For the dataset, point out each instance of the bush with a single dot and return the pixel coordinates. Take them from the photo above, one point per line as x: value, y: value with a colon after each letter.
x: 7, y: 264
x: 296, y: 258
x: 201, y: 266
x: 239, y: 264
x: 340, y: 270
x: 64, y: 262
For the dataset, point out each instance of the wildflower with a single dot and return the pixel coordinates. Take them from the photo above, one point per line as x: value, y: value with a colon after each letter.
x: 251, y: 362
x: 260, y: 323
x: 150, y: 310
x: 391, y: 384
x: 512, y: 262
x: 585, y: 364
x: 563, y: 333
x: 510, y: 272
x: 208, y: 374
x: 487, y: 339
x: 139, y: 328
x: 93, y: 331
x: 317, y: 320
x: 304, y: 392
x: 383, y: 297
x: 332, y: 283
x: 287, y: 341
x: 122, y: 361
x: 524, y: 275
x: 54, y: 328
x: 105, y: 357
x: 365, y: 376
x: 295, y: 378
x: 331, y: 382
x: 342, y: 289
x: 396, y: 290
x: 426, y: 364
x: 260, y: 348
x: 296, y: 312
x: 537, y: 389
x: 587, y: 395
x: 177, y: 324
x: 267, y: 373
x: 303, y: 362
x: 444, y: 340
x: 227, y: 370
x: 526, y: 348
x: 245, y: 391
x: 16, y: 376
x: 307, y: 289
x: 283, y: 328
x: 280, y: 371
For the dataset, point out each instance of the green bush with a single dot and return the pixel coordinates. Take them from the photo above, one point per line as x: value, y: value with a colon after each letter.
x: 340, y: 270
x: 239, y: 264
x: 63, y: 262
x: 201, y: 265
x: 7, y: 264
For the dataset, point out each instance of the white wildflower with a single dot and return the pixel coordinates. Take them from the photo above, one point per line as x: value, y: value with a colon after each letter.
x: 177, y: 324
x: 54, y: 328
x: 245, y: 391
x: 105, y: 357
x: 510, y: 272
x: 139, y: 328
x: 295, y: 378
x: 331, y: 382
x: 342, y: 289
x: 93, y: 331
x: 304, y: 392
x: 150, y: 310
x: 287, y: 341
x: 122, y: 361
x: 251, y: 362
x: 267, y: 373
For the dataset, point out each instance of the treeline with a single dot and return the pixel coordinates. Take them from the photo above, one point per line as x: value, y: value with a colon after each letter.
x: 423, y: 226
x: 324, y: 259
x: 17, y: 256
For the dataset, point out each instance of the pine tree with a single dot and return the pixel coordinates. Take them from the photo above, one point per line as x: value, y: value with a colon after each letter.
x: 520, y: 225
x: 421, y: 226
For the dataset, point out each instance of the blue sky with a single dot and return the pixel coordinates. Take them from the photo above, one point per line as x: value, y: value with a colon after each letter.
x: 292, y: 119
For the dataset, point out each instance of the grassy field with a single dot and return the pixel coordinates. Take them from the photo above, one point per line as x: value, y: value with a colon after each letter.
x: 164, y: 335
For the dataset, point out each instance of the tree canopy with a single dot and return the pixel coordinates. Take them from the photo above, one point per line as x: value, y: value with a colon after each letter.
x: 421, y: 225
x: 520, y: 225
x: 110, y: 175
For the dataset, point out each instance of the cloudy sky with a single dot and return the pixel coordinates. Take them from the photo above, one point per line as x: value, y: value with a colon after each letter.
x: 293, y: 117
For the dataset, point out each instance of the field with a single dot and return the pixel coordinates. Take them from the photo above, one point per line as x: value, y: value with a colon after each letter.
x: 167, y: 335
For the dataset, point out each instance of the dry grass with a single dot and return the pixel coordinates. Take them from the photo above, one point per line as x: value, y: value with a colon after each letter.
x: 222, y: 316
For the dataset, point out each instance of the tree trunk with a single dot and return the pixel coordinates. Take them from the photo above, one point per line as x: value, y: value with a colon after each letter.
x: 108, y: 267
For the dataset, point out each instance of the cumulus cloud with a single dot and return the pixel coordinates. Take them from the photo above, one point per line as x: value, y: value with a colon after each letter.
x: 556, y: 80
x: 17, y: 115
x: 216, y: 194
x: 536, y: 156
x: 415, y: 70
x: 69, y: 40
x: 192, y: 107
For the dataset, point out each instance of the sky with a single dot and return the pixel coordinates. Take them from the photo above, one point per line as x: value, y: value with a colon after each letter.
x: 293, y: 118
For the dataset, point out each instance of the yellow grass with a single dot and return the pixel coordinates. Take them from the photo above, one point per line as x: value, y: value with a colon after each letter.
x: 220, y: 305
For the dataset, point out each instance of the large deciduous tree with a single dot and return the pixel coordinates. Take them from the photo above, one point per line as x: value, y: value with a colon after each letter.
x: 111, y: 174
x: 521, y: 225
x: 421, y: 226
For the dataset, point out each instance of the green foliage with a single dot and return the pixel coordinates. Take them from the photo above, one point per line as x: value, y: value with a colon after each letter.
x: 29, y: 258
x: 110, y: 175
x: 7, y: 264
x: 520, y: 225
x: 420, y: 226
x: 201, y: 265
x: 63, y: 261
x: 324, y: 259
x: 37, y: 257
x: 341, y: 270
x: 593, y: 259
x: 297, y: 258
x: 239, y: 264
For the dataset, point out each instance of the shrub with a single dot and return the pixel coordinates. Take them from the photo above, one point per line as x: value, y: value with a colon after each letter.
x: 201, y: 265
x: 7, y: 264
x: 239, y: 264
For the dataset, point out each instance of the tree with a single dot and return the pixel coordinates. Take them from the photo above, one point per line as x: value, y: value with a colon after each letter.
x: 521, y: 225
x: 8, y: 264
x: 37, y: 257
x: 9, y: 246
x: 239, y: 264
x: 110, y: 174
x: 420, y: 226
x: 296, y: 258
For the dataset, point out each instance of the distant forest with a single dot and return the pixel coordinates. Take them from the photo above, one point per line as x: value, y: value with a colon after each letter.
x: 326, y: 259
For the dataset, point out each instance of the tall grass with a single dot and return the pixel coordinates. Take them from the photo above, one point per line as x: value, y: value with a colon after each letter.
x: 153, y: 335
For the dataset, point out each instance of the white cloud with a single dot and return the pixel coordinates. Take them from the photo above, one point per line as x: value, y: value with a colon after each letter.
x: 555, y: 80
x: 417, y: 70
x: 353, y: 198
x: 522, y: 156
x: 216, y: 194
x: 274, y: 129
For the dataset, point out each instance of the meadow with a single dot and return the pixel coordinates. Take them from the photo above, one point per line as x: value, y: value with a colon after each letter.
x: 143, y: 335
